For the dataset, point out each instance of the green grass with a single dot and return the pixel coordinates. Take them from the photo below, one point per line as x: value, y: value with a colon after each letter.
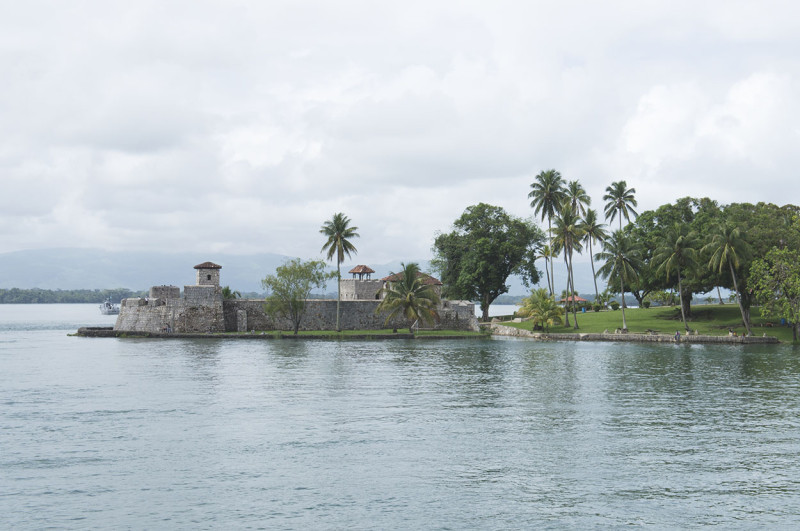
x: 713, y: 320
x: 351, y: 333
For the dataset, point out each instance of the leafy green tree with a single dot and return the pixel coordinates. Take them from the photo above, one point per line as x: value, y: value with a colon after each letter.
x: 339, y: 232
x: 593, y: 232
x: 567, y: 236
x: 675, y: 254
x: 547, y: 194
x: 728, y: 248
x: 486, y: 246
x: 410, y: 296
x: 542, y: 308
x: 229, y: 294
x: 622, y: 263
x: 620, y: 201
x: 290, y: 286
x: 776, y: 283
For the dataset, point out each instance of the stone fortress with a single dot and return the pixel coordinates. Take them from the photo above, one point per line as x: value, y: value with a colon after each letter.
x: 202, y: 308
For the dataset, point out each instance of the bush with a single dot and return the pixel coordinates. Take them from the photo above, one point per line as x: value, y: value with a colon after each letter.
x: 645, y: 304
x: 597, y: 307
x: 614, y: 305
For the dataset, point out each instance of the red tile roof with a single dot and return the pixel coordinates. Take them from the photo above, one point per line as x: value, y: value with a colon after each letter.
x: 208, y: 265
x: 361, y: 269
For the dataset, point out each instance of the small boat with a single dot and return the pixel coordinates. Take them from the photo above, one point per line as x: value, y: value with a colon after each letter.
x: 109, y: 308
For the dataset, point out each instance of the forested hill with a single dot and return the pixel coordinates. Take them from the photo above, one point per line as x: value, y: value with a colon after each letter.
x: 48, y: 296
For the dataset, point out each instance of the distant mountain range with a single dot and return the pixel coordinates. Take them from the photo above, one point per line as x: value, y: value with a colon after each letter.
x: 138, y: 270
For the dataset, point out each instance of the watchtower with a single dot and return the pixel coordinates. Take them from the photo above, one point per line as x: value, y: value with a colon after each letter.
x: 208, y: 274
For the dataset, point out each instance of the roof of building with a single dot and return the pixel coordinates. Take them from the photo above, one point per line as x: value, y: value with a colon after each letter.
x: 432, y: 281
x: 574, y: 298
x: 361, y: 269
x: 208, y: 265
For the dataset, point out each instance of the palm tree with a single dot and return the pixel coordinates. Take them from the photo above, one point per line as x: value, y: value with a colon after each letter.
x: 547, y: 194
x: 542, y: 308
x: 621, y: 264
x: 338, y: 231
x: 593, y: 232
x: 727, y: 247
x: 620, y: 201
x: 545, y: 252
x: 577, y: 197
x: 677, y: 252
x: 568, y: 233
x: 410, y: 296
x: 229, y: 294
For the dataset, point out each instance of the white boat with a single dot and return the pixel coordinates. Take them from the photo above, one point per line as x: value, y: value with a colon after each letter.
x: 109, y: 308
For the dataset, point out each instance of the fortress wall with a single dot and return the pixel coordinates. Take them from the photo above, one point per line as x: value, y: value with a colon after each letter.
x: 141, y: 315
x: 355, y: 289
x: 165, y: 292
x: 354, y: 315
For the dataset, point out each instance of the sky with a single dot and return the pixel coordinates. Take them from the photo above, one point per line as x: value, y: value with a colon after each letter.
x: 242, y: 126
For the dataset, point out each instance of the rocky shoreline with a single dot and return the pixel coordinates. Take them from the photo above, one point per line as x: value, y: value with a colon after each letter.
x: 502, y: 330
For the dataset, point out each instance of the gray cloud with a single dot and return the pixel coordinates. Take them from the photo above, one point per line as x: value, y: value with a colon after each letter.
x: 128, y: 125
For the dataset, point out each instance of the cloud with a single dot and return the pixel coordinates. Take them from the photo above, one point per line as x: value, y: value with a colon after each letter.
x: 242, y: 126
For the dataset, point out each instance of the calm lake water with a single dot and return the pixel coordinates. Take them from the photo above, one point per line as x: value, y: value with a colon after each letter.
x: 491, y: 434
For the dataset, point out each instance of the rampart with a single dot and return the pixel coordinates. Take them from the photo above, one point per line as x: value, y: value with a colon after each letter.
x: 200, y: 311
x: 357, y: 289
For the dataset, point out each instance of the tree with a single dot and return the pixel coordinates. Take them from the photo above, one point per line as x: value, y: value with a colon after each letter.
x: 593, y: 232
x: 567, y: 235
x: 577, y: 198
x: 776, y: 283
x: 486, y: 246
x: 338, y: 232
x: 229, y: 294
x: 542, y: 308
x: 621, y: 264
x: 547, y: 194
x: 410, y: 296
x: 619, y: 202
x: 290, y: 286
x: 677, y: 252
x: 727, y: 247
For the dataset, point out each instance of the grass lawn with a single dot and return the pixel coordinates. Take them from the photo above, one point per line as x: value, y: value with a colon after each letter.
x: 351, y: 333
x: 711, y: 319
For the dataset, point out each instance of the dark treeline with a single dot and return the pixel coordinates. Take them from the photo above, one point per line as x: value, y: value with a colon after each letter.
x: 48, y: 296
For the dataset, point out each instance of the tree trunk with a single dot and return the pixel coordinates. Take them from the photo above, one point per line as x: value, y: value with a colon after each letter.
x: 566, y: 301
x: 572, y: 288
x: 680, y: 290
x: 594, y: 275
x: 338, y: 293
x: 485, y: 308
x: 622, y: 288
x: 745, y: 319
x: 552, y: 278
x: 719, y: 294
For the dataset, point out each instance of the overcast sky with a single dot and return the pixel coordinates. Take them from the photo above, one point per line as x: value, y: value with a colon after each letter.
x: 240, y: 127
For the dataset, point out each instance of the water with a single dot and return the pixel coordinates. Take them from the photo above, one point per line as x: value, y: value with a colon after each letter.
x: 154, y: 434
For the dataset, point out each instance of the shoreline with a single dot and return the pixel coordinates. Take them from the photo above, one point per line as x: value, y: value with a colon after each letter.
x: 496, y: 329
x: 510, y: 331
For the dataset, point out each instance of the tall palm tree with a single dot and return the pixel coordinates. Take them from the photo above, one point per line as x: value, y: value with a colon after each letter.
x: 727, y: 247
x: 622, y: 260
x: 547, y: 194
x: 593, y: 232
x: 410, y: 296
x: 545, y: 252
x: 577, y: 197
x: 338, y: 232
x: 620, y: 201
x: 676, y: 252
x: 567, y: 235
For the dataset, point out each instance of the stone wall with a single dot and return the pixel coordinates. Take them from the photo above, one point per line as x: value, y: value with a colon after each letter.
x: 355, y: 289
x: 165, y: 292
x: 354, y: 315
x: 182, y: 315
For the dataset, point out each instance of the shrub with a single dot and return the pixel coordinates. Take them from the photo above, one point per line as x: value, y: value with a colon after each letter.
x: 645, y: 304
x: 614, y: 305
x: 597, y: 307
